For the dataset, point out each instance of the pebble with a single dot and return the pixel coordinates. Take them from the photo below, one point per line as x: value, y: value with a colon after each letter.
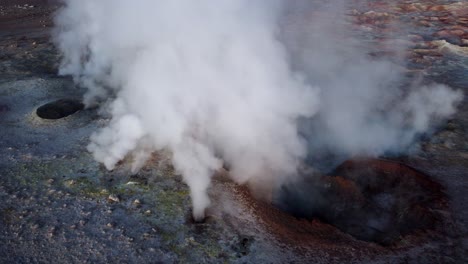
x: 137, y: 202
x: 113, y: 198
x: 50, y: 232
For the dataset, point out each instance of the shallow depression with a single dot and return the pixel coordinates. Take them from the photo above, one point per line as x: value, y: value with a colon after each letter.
x: 59, y: 109
x: 371, y: 199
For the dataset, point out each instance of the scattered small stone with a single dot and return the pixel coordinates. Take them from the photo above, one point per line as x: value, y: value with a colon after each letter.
x: 110, y: 225
x: 82, y: 222
x: 50, y: 232
x: 73, y: 227
x: 84, y: 213
x: 137, y: 203
x: 50, y: 181
x: 132, y: 183
x: 113, y: 198
x: 191, y: 241
x: 70, y: 182
x: 147, y: 212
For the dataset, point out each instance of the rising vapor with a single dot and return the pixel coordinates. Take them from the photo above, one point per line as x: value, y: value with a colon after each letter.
x: 216, y: 81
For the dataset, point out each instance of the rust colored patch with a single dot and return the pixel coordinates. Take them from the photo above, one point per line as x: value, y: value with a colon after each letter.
x: 372, y: 200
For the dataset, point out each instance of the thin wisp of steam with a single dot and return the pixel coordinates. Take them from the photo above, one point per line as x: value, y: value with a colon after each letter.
x: 216, y: 81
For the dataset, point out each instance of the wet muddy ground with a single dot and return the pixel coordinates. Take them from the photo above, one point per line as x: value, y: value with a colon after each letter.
x: 57, y: 205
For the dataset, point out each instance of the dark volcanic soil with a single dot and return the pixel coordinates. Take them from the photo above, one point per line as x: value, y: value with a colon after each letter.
x: 57, y: 205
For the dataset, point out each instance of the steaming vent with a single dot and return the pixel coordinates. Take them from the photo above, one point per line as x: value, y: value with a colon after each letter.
x: 261, y: 85
x: 371, y: 199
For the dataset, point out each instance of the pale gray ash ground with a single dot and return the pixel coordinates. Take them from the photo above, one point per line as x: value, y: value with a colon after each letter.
x: 58, y: 205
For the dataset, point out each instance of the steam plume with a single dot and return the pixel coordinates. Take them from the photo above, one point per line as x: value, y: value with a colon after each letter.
x: 221, y: 80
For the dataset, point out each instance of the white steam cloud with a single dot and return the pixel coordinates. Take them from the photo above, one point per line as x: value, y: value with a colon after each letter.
x: 214, y: 81
x: 366, y: 105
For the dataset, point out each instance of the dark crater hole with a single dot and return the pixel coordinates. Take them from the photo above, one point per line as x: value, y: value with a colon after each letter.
x: 59, y: 109
x: 371, y: 199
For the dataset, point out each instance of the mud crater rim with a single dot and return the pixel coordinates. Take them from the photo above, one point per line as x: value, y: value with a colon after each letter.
x: 373, y: 200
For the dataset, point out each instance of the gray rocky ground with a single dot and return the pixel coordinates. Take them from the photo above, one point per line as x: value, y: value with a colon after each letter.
x: 57, y: 205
